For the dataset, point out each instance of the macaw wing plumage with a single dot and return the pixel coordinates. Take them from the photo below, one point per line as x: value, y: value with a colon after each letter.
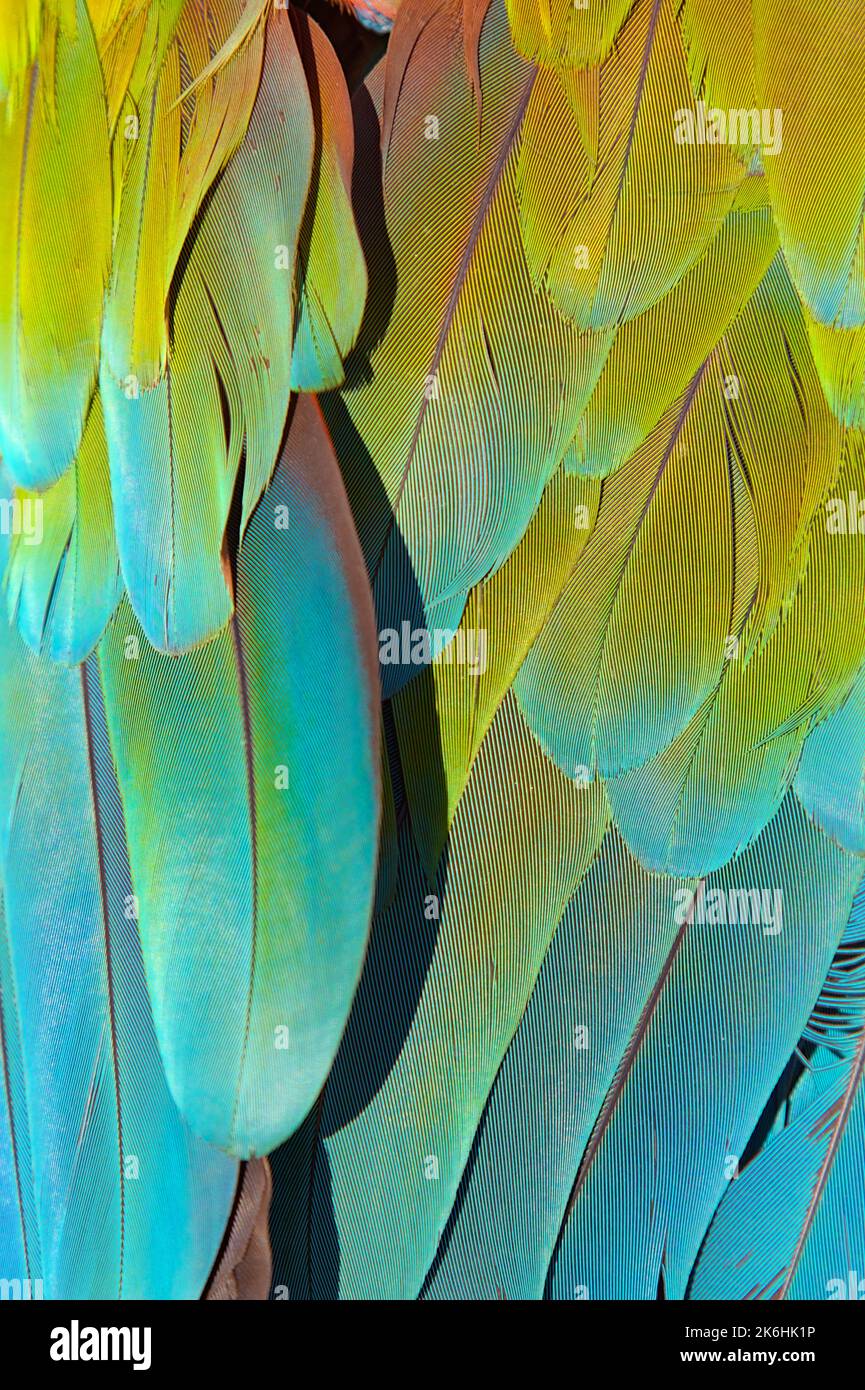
x: 432, y: 692
x: 104, y: 1190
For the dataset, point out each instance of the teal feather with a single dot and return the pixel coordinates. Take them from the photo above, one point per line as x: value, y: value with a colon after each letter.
x: 830, y: 779
x: 249, y: 770
x: 20, y: 1240
x: 63, y: 581
x: 365, y: 1188
x: 104, y: 1191
x: 793, y: 1224
x: 728, y: 1008
x: 607, y: 952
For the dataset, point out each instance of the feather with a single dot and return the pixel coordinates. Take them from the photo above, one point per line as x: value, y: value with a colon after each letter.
x: 441, y: 717
x: 104, y: 1192
x: 775, y: 65
x: 166, y: 156
x: 243, y: 1271
x: 579, y: 217
x: 839, y: 355
x: 120, y: 27
x: 830, y: 778
x: 245, y: 24
x: 514, y: 969
x: 599, y: 688
x: 470, y: 393
x: 63, y: 579
x: 793, y: 1223
x: 564, y: 34
x: 330, y: 269
x: 714, y: 788
x: 605, y: 690
x: 726, y: 1011
x: 610, y: 945
x: 388, y: 847
x: 55, y: 240
x: 227, y: 353
x: 719, y: 47
x: 20, y: 32
x: 628, y: 401
x: 253, y: 815
x: 363, y: 1190
x: 821, y: 230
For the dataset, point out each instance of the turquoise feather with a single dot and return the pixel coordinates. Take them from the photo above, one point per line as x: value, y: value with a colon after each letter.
x: 249, y: 771
x: 63, y: 581
x: 104, y: 1191
x: 793, y: 1224
x: 366, y: 1186
x: 729, y: 1006
x: 830, y: 779
x: 609, y: 946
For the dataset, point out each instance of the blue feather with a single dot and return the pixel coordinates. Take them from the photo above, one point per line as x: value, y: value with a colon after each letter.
x: 793, y: 1224
x: 104, y: 1191
x: 729, y: 1006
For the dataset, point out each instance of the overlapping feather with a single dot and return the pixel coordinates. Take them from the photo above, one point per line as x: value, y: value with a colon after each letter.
x: 460, y: 400
x: 793, y: 1224
x: 600, y: 429
x: 684, y: 650
x: 365, y: 1187
x: 104, y: 1191
x: 55, y: 247
x: 252, y: 810
x: 230, y: 155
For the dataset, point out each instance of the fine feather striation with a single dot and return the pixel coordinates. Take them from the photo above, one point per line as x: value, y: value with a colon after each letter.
x: 628, y: 401
x: 733, y: 54
x: 707, y: 795
x: 63, y: 580
x: 121, y: 27
x: 232, y: 236
x: 172, y: 140
x: 719, y: 48
x: 816, y: 177
x: 20, y: 32
x: 636, y: 639
x: 104, y: 1191
x: 260, y: 269
x: 609, y: 236
x: 605, y: 691
x: 793, y: 1223
x: 243, y: 1271
x: 560, y: 34
x: 830, y: 778
x: 749, y: 61
x: 469, y: 390
x: 249, y: 770
x: 364, y: 1190
x: 55, y: 244
x: 330, y: 270
x: 231, y: 319
x: 442, y: 716
x: 727, y: 1010
x: 839, y: 355
x: 607, y: 953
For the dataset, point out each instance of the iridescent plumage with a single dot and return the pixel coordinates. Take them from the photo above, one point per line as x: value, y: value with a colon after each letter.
x: 478, y: 749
